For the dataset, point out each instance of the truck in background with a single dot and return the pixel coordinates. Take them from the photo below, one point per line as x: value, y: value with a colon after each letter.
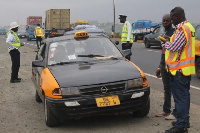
x: 142, y: 28
x: 32, y: 22
x: 57, y: 22
x: 197, y: 51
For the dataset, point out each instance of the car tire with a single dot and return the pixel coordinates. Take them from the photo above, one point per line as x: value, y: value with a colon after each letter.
x: 50, y: 119
x: 135, y: 38
x: 197, y: 67
x: 147, y: 44
x: 142, y: 112
x: 37, y: 97
x: 28, y: 39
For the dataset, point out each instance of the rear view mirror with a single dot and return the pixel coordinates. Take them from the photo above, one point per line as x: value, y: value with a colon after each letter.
x: 116, y: 42
x: 38, y: 63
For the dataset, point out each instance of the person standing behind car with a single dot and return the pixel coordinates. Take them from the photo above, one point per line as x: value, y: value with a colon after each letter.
x: 180, y: 62
x: 126, y: 36
x: 14, y: 42
x: 162, y: 72
x: 38, y: 35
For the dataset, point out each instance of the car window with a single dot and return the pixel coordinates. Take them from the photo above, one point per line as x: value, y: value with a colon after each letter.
x: 160, y: 30
x: 197, y: 33
x: 73, y: 50
x: 41, y: 52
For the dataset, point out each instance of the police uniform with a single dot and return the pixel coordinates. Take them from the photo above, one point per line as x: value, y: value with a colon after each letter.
x: 126, y: 35
x: 14, y: 42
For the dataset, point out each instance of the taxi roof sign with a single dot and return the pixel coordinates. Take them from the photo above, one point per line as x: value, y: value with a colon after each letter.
x: 81, y: 35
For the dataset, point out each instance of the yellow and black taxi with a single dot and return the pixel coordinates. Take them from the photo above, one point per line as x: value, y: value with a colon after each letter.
x: 83, y: 73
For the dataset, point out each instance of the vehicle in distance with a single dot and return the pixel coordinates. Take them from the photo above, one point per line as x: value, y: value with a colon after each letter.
x: 197, y: 50
x: 150, y: 39
x: 82, y: 74
x: 2, y: 32
x: 22, y: 34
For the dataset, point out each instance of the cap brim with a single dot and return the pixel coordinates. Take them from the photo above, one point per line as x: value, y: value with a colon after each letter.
x: 14, y: 27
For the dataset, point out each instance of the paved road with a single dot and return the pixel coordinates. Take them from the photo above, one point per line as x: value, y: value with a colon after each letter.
x: 148, y: 60
x: 20, y: 113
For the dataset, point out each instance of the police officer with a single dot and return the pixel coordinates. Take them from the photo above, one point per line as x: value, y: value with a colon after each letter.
x: 126, y: 36
x: 14, y: 42
x: 38, y: 35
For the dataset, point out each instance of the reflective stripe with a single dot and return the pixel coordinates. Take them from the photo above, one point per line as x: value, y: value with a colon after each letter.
x: 15, y: 43
x: 38, y: 31
x: 125, y: 34
x: 187, y: 57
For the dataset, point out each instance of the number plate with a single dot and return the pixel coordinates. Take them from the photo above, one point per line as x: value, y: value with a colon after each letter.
x: 107, y: 101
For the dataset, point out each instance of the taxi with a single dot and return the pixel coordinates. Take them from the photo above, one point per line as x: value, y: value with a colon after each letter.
x: 83, y: 73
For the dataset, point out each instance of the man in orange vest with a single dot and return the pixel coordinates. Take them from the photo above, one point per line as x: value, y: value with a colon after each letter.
x: 38, y: 35
x: 180, y: 62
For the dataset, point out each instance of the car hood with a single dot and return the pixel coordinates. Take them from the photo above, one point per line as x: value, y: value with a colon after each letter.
x: 94, y: 72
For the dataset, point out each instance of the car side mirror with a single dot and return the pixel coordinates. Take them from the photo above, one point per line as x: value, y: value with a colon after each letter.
x: 127, y: 52
x: 116, y: 42
x: 38, y: 63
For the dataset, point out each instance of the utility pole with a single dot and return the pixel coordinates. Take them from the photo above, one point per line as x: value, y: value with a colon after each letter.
x: 114, y: 17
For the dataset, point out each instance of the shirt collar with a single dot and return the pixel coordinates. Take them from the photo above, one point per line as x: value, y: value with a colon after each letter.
x: 181, y: 24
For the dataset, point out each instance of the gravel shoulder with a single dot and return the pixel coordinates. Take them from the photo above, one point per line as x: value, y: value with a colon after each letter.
x: 20, y: 113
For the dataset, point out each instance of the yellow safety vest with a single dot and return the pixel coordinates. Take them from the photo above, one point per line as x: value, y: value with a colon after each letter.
x: 15, y: 43
x: 187, y: 58
x: 39, y: 31
x: 125, y: 34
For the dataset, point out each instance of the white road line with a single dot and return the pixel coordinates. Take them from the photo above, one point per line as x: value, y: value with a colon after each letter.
x: 191, y: 86
x: 149, y: 50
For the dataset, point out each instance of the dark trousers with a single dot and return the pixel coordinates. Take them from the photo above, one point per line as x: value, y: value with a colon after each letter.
x: 124, y: 47
x: 15, y: 58
x: 38, y: 38
x: 167, y: 90
x: 180, y: 86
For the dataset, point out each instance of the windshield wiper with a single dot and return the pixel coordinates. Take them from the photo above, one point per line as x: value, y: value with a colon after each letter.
x: 62, y: 63
x: 90, y: 55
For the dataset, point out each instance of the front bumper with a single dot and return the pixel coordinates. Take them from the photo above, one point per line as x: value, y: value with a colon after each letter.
x: 88, y: 106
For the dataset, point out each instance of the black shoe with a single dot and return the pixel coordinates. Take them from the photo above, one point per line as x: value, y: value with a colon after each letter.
x: 174, y: 122
x: 177, y: 130
x: 19, y: 79
x: 14, y: 81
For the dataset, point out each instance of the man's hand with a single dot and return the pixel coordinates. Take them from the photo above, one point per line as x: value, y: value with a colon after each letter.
x: 158, y: 73
x: 22, y: 44
x: 127, y: 44
x: 166, y: 37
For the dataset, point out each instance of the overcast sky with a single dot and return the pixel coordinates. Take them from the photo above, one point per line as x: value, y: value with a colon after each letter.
x: 100, y: 10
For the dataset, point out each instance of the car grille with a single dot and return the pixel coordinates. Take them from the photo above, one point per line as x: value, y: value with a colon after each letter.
x: 97, y: 89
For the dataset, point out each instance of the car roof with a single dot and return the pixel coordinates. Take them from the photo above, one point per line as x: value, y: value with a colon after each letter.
x: 88, y: 30
x: 70, y: 34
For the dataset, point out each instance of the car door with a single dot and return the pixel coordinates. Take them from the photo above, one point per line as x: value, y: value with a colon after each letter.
x: 38, y: 70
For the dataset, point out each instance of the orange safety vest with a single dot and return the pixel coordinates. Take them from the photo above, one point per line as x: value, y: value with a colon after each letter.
x: 39, y: 31
x: 187, y: 58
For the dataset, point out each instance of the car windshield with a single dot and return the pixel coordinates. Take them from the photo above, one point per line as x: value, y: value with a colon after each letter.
x: 160, y: 30
x: 67, y: 51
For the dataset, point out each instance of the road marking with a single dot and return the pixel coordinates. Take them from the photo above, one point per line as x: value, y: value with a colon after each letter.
x: 149, y: 50
x: 191, y: 86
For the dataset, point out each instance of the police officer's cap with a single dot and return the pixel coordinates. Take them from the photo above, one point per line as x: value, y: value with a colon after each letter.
x: 122, y: 16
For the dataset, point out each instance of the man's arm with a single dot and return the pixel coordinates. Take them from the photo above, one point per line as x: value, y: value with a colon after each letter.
x: 178, y: 43
x: 129, y: 31
x: 9, y: 39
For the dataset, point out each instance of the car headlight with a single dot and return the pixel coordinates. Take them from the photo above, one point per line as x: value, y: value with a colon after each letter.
x: 135, y: 83
x: 70, y: 91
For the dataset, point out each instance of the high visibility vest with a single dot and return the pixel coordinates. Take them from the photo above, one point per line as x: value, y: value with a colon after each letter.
x: 39, y: 31
x: 15, y: 43
x: 187, y: 58
x: 125, y: 34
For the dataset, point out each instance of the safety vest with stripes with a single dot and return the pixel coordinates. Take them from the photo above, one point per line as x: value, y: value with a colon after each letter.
x: 187, y: 58
x: 15, y: 43
x: 39, y: 31
x: 125, y: 34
